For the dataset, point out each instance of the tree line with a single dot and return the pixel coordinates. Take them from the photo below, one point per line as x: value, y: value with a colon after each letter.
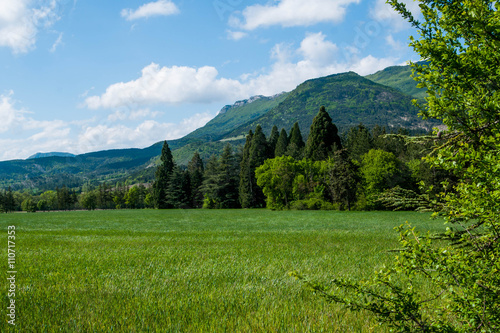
x: 365, y: 169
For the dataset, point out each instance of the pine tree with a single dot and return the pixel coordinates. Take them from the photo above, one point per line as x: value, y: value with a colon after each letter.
x: 210, y: 186
x: 359, y: 141
x: 177, y: 195
x: 9, y: 203
x: 323, y: 139
x: 228, y: 177
x: 258, y: 154
x: 162, y: 176
x: 273, y: 140
x: 282, y: 144
x: 245, y: 189
x: 296, y: 144
x: 195, y: 169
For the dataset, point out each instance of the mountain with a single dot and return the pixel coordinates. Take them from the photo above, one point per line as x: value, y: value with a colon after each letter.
x: 41, y: 155
x: 349, y: 98
x: 231, y: 116
x: 398, y: 77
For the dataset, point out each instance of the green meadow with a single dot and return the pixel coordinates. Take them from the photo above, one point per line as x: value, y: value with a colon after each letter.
x: 192, y: 270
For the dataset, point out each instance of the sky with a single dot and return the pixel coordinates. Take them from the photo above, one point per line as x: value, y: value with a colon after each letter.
x: 79, y: 76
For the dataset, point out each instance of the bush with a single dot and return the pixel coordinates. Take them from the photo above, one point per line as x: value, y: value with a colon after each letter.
x: 312, y: 204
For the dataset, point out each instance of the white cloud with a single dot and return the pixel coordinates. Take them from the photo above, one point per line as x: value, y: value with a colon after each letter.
x: 289, y: 13
x: 104, y: 136
x: 384, y: 13
x: 157, y: 8
x: 11, y: 117
x: 316, y: 57
x: 26, y: 135
x: 56, y: 43
x: 20, y: 22
x: 133, y: 115
x: 168, y: 85
x: 236, y: 35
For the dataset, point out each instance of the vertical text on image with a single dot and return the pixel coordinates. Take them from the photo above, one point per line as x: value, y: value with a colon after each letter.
x: 11, y: 274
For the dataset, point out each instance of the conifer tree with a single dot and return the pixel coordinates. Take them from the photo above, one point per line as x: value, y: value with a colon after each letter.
x: 296, y: 143
x: 323, y: 139
x: 273, y: 140
x: 162, y: 176
x: 177, y: 195
x: 228, y: 178
x: 210, y: 186
x: 258, y: 154
x: 359, y: 141
x: 282, y: 144
x: 9, y: 203
x: 195, y: 169
x: 245, y: 189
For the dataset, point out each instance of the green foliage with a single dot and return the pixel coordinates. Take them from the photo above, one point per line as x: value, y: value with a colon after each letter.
x: 28, y: 205
x: 255, y: 152
x: 381, y: 170
x: 221, y: 179
x: 273, y: 141
x: 282, y: 144
x: 350, y: 99
x: 450, y: 284
x: 399, y: 77
x: 245, y: 187
x: 89, y: 200
x: 323, y: 139
x: 296, y: 144
x: 162, y: 176
x: 359, y: 141
x: 135, y: 197
x: 342, y: 179
x: 196, y: 169
x: 276, y: 177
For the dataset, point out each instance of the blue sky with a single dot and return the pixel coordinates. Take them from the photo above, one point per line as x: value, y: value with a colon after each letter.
x: 79, y: 76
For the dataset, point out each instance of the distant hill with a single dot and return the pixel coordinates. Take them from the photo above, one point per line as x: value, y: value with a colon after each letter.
x: 231, y: 116
x: 349, y: 98
x: 399, y: 77
x: 41, y: 155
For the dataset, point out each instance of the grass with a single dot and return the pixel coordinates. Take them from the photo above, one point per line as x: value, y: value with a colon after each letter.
x: 193, y: 270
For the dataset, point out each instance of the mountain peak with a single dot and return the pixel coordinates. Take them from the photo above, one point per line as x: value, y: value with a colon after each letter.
x: 51, y: 154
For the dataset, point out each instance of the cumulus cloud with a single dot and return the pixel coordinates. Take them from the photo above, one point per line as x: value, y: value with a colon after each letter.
x: 20, y: 22
x: 21, y: 135
x: 168, y: 85
x: 157, y: 8
x: 383, y: 12
x: 106, y: 136
x: 289, y: 13
x: 315, y: 57
x: 11, y: 117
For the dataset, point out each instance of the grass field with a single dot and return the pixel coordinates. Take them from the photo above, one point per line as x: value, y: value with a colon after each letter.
x: 192, y: 270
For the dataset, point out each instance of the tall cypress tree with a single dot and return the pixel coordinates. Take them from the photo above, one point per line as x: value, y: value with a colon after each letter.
x: 178, y: 189
x: 273, y: 140
x: 228, y: 177
x: 295, y: 143
x: 162, y: 177
x: 245, y: 189
x: 323, y: 137
x: 282, y: 144
x: 259, y: 152
x: 359, y: 141
x: 210, y: 186
x: 195, y: 169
